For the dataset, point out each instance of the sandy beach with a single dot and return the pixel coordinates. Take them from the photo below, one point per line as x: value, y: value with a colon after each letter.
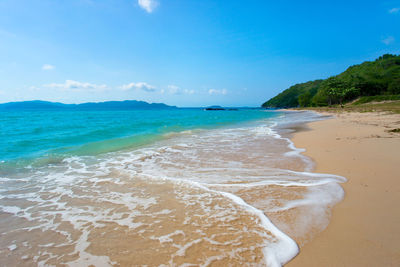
x: 364, y: 228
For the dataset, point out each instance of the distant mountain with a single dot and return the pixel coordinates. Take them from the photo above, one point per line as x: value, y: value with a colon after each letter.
x: 108, y: 105
x: 371, y: 78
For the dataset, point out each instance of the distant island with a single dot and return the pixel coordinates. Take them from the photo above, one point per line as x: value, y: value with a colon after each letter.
x: 370, y: 81
x: 220, y: 108
x: 108, y: 105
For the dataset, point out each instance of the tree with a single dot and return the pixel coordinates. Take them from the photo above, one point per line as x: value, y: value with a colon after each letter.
x: 341, y: 93
x: 305, y: 99
x: 394, y: 87
x: 332, y: 88
x: 337, y: 90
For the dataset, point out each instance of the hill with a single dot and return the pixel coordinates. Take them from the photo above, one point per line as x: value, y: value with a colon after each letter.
x: 371, y: 78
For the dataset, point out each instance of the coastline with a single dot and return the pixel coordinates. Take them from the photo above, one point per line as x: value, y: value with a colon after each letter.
x: 363, y: 230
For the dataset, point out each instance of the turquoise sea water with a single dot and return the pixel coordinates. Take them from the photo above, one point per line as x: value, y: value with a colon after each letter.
x: 184, y: 187
x: 47, y: 136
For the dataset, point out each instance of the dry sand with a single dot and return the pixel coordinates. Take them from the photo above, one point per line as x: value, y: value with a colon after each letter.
x: 365, y: 227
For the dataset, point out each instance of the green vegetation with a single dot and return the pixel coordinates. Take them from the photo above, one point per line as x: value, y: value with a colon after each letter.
x: 291, y: 97
x: 392, y: 107
x: 376, y: 98
x: 378, y: 80
x: 397, y: 130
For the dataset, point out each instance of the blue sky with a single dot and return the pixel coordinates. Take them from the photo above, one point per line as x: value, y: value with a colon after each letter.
x: 184, y: 52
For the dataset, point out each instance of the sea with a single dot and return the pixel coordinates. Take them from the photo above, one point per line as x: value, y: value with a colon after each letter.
x: 179, y: 187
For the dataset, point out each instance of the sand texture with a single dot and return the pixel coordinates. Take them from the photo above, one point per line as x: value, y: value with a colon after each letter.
x: 365, y: 227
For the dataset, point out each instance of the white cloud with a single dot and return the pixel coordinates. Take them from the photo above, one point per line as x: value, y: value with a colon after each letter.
x: 148, y: 5
x: 389, y: 40
x: 175, y: 90
x: 138, y: 86
x: 48, y: 67
x: 394, y: 10
x: 70, y: 84
x: 217, y: 92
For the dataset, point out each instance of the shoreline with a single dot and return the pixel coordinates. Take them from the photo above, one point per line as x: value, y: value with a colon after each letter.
x: 363, y: 230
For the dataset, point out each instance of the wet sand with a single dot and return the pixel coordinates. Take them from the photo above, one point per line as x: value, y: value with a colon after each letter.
x: 365, y: 227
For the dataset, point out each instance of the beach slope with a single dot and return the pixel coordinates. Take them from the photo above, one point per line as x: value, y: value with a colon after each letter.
x: 364, y: 228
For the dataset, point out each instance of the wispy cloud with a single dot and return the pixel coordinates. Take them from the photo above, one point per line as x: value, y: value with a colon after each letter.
x: 48, y: 67
x: 388, y: 40
x: 7, y: 33
x: 173, y: 89
x: 70, y: 84
x: 148, y: 5
x: 217, y: 92
x: 394, y: 10
x: 33, y: 88
x: 176, y: 90
x: 138, y: 86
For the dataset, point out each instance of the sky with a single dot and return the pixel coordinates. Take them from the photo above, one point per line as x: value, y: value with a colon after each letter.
x: 186, y: 53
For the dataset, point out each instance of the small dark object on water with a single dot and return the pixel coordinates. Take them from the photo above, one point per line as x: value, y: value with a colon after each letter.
x: 215, y: 109
x: 229, y: 109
